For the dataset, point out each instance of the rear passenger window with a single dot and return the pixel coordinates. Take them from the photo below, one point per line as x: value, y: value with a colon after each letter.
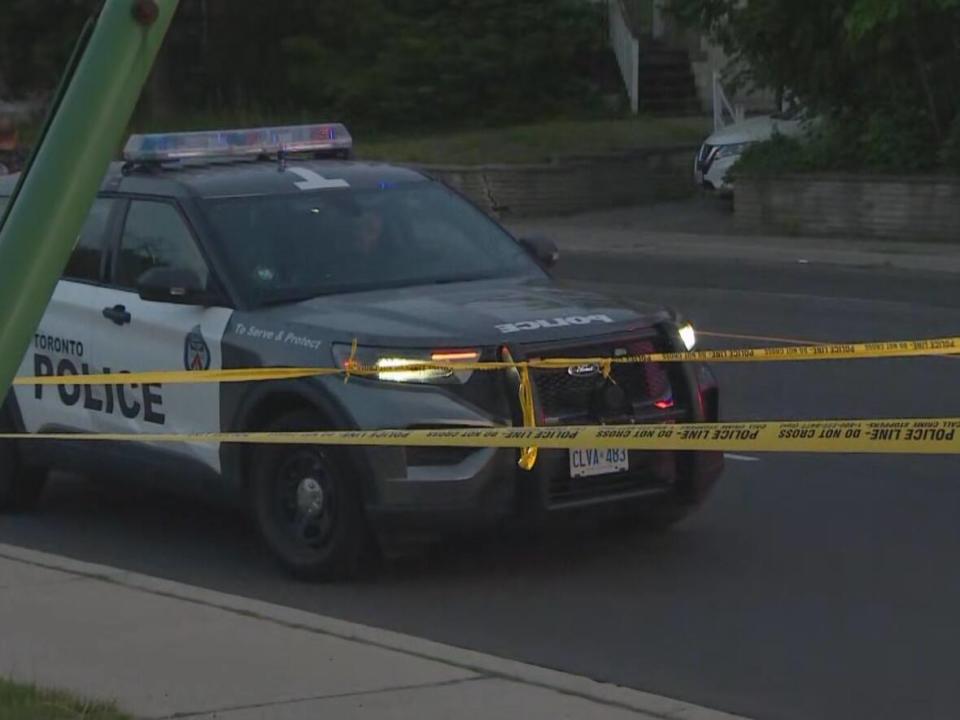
x: 87, y: 257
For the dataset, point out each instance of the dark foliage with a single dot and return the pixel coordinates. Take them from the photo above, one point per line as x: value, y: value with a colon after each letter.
x: 378, y: 64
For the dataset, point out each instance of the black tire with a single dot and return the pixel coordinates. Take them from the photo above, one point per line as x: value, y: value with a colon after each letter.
x: 308, y: 505
x: 20, y: 487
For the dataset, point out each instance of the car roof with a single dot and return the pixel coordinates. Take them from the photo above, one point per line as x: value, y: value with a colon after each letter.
x: 240, y: 178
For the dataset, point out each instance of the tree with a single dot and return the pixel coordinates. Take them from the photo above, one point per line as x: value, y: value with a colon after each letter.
x: 422, y: 63
x: 855, y: 58
x: 376, y: 64
x: 921, y: 38
x: 36, y: 39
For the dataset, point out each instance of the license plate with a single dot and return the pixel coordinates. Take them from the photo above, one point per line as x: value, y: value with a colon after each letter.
x: 586, y: 462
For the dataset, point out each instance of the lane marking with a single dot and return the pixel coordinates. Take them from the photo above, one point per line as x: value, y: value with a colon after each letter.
x: 760, y: 338
x: 740, y: 458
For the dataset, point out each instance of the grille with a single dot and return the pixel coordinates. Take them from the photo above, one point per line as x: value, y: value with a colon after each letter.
x: 562, y: 396
x: 705, y: 158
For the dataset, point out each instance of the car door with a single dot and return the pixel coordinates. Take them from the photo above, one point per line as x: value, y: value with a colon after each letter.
x: 146, y: 335
x: 70, y: 338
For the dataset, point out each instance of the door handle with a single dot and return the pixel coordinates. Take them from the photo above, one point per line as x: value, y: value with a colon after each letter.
x: 118, y: 314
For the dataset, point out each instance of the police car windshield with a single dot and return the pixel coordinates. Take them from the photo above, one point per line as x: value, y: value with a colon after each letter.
x: 288, y: 247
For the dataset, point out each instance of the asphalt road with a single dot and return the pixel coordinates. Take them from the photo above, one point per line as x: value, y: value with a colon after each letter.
x: 809, y: 587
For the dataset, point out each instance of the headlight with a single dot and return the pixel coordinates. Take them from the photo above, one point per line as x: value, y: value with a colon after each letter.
x: 726, y: 151
x: 688, y: 336
x: 404, y: 366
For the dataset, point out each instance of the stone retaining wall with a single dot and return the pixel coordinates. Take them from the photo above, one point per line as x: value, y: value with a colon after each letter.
x: 905, y: 208
x: 574, y: 184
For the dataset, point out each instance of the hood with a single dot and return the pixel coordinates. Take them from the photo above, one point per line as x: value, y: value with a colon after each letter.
x: 487, y: 313
x: 754, y: 130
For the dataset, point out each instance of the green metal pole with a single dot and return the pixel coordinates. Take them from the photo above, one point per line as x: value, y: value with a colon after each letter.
x: 64, y: 175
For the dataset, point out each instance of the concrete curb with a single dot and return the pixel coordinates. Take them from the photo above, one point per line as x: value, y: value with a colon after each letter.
x: 489, y: 665
x: 937, y: 258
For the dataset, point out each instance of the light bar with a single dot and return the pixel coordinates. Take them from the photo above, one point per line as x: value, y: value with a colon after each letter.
x: 455, y: 356
x: 237, y: 143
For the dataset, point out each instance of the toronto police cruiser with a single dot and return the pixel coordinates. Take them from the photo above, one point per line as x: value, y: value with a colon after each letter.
x: 270, y: 247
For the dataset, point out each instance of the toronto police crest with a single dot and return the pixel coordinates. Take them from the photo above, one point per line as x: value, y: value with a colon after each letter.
x: 196, y: 353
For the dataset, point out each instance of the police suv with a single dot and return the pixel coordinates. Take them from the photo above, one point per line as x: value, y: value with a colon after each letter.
x: 270, y: 248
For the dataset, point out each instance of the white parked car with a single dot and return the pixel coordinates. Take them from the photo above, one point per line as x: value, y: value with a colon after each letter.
x: 721, y: 150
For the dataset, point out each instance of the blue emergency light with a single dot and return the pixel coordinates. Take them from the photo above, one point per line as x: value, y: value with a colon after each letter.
x: 166, y: 147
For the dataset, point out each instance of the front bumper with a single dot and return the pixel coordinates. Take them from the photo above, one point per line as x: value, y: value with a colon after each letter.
x: 501, y: 491
x: 434, y: 490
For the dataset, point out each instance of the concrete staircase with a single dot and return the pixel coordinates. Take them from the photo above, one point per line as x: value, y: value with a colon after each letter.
x: 653, y: 59
x: 666, y: 82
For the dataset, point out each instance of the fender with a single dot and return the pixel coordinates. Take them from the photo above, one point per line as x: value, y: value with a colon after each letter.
x: 240, y: 414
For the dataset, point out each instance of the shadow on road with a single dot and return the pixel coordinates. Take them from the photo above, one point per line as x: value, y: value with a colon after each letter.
x: 156, y: 532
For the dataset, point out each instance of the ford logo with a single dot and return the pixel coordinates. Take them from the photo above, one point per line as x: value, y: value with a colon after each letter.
x: 583, y: 371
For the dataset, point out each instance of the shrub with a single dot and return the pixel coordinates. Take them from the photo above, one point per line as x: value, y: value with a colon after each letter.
x: 376, y: 64
x: 884, y: 142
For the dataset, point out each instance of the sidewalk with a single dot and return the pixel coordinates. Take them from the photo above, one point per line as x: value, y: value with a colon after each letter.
x: 162, y: 650
x: 704, y: 230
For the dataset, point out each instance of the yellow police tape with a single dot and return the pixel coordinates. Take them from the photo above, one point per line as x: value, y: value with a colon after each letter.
x: 932, y: 436
x: 838, y: 351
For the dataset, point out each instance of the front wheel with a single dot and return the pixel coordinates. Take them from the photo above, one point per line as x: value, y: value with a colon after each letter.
x: 20, y: 487
x: 307, y: 505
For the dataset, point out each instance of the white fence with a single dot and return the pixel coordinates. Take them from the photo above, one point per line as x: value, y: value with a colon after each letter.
x: 659, y: 19
x: 724, y: 113
x: 627, y: 49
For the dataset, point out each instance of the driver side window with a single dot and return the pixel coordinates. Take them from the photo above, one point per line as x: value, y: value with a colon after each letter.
x: 156, y: 236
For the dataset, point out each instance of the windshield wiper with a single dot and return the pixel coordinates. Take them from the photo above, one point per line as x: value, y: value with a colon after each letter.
x: 370, y: 287
x: 462, y: 278
x: 293, y: 298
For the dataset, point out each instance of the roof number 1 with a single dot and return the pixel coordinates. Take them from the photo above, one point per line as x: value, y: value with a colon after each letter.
x: 314, y: 181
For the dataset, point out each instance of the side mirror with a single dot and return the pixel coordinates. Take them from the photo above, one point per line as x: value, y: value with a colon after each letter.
x: 172, y: 285
x: 543, y: 250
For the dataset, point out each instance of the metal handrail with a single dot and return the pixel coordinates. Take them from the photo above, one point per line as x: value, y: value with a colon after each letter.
x: 627, y: 49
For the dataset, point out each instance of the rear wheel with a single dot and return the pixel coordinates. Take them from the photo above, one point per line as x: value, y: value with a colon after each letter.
x: 20, y: 487
x: 308, y: 505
